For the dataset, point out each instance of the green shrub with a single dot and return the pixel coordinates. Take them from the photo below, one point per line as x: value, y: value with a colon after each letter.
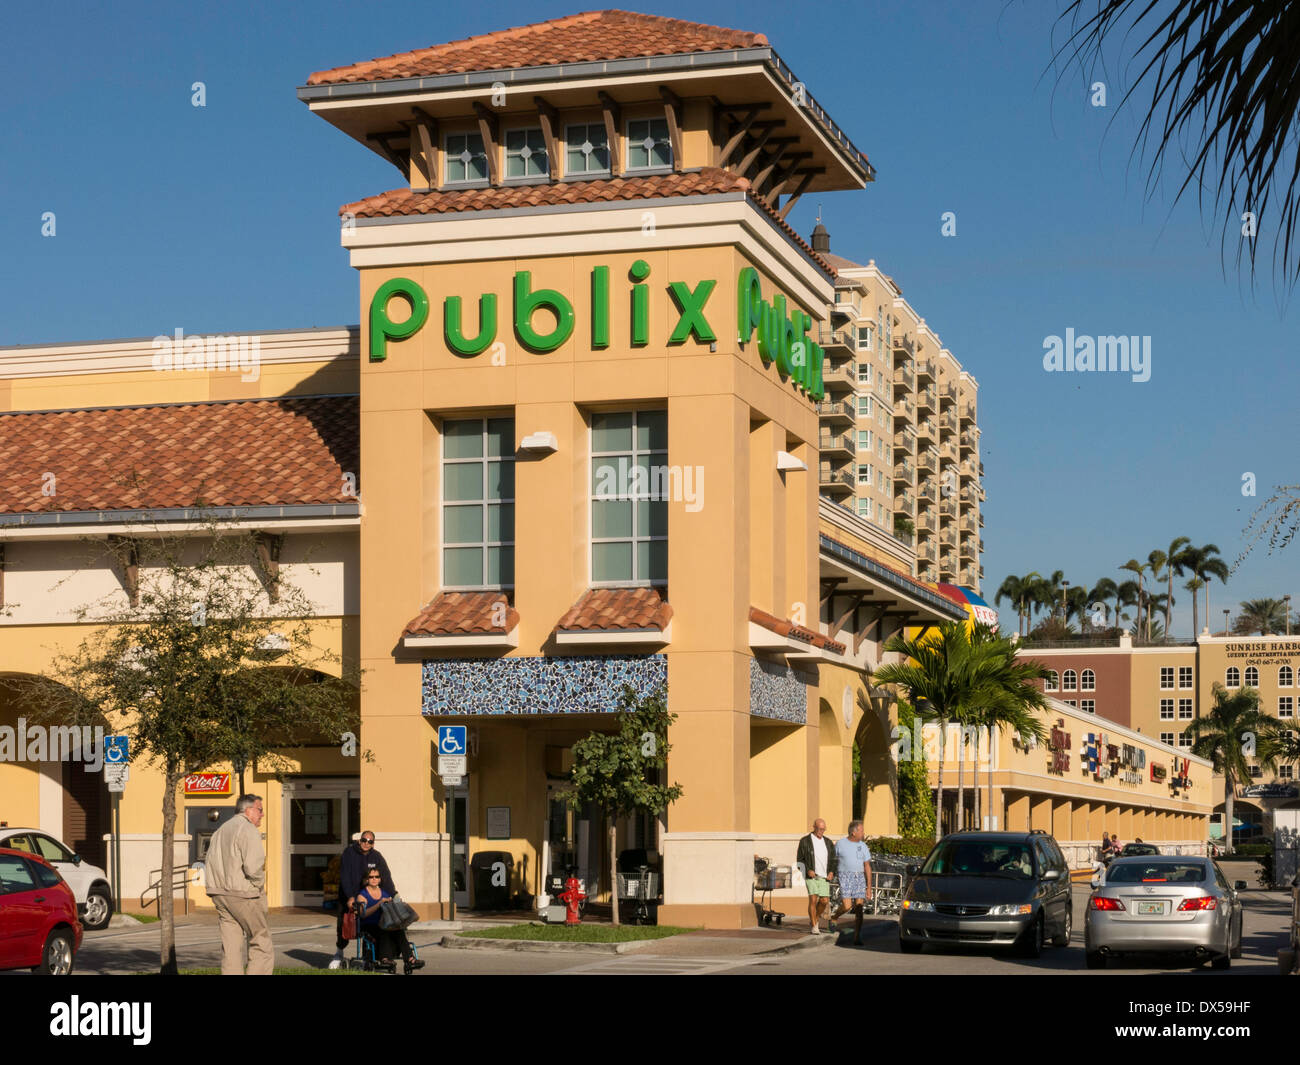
x: 907, y: 846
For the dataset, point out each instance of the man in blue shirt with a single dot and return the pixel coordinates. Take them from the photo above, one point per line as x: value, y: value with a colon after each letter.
x: 853, y: 862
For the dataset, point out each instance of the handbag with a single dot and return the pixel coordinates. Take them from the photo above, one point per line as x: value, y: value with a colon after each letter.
x: 394, y: 914
x: 350, y: 925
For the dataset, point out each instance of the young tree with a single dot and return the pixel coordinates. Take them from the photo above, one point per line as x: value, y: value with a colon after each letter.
x: 619, y: 771
x: 214, y: 662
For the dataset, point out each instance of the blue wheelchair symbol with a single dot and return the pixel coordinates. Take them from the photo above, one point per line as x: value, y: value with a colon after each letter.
x: 451, y: 739
x: 117, y: 750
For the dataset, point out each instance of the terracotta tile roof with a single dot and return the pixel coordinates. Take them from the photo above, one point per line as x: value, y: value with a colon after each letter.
x: 617, y: 609
x: 708, y: 180
x: 261, y: 452
x: 462, y: 614
x: 786, y: 627
x: 589, y: 37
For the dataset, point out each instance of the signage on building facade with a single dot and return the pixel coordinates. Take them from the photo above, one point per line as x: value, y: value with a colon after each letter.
x: 782, y: 333
x: 1059, y: 745
x: 207, y: 784
x: 1158, y: 772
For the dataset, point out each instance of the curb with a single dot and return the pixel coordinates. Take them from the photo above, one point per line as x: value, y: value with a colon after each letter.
x: 538, y: 946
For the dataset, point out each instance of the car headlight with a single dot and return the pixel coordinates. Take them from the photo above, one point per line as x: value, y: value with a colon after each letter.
x: 1010, y: 910
x: 918, y: 907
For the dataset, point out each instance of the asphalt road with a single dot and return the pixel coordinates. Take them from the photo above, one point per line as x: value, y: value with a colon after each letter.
x: 198, y: 945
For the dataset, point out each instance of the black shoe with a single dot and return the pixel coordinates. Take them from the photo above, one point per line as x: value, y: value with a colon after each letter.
x: 414, y: 963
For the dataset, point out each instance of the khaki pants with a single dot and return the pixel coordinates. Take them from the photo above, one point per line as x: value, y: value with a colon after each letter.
x: 243, y: 922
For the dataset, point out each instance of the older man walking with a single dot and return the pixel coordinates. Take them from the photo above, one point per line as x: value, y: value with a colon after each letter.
x: 853, y: 868
x: 235, y: 878
x: 816, y: 859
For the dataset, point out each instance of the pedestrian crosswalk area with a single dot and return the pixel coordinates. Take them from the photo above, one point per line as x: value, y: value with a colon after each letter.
x: 656, y: 965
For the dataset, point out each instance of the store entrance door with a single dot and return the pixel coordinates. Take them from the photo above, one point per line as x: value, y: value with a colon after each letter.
x: 321, y: 817
x: 458, y: 798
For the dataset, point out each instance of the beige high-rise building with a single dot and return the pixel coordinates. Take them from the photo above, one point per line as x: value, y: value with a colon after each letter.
x: 899, y: 437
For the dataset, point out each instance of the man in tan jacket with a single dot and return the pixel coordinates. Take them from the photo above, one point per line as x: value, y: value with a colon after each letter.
x: 235, y: 879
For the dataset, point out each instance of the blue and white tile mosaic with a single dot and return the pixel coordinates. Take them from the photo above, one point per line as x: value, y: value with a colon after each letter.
x: 776, y: 691
x: 587, y: 684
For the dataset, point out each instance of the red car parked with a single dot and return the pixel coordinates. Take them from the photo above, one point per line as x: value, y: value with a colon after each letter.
x: 39, y: 929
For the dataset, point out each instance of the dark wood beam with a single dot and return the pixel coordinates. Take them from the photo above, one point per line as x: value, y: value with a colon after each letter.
x: 862, y: 634
x: 745, y: 122
x: 855, y: 601
x: 782, y: 177
x: 424, y: 139
x: 384, y: 142
x: 673, y: 113
x: 127, y: 553
x: 807, y: 176
x: 761, y: 178
x: 753, y: 152
x: 550, y: 120
x: 2, y: 574
x: 268, y: 556
x: 487, y: 129
x: 613, y: 117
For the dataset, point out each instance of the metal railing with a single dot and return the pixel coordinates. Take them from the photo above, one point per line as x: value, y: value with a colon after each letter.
x: 904, y: 376
x: 835, y: 408
x: 835, y: 442
x: 904, y: 471
x: 836, y: 338
x: 152, y: 895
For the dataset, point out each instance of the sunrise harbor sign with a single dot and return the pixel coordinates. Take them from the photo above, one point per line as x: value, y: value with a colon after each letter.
x: 782, y: 332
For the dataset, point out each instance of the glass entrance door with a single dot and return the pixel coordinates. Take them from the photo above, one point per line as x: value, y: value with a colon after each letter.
x: 458, y: 797
x: 321, y: 817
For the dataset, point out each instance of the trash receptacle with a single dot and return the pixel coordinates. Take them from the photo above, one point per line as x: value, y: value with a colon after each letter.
x: 490, y: 874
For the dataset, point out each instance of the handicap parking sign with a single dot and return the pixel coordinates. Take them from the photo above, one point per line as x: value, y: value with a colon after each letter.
x: 117, y: 750
x: 451, y: 739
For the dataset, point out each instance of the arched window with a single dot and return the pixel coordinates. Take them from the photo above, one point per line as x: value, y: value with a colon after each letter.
x: 1252, y: 677
x: 1071, y: 681
x: 1284, y: 677
x: 1233, y: 679
x: 1053, y: 678
x: 1088, y: 681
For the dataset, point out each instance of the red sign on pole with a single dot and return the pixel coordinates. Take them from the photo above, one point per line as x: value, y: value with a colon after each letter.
x: 207, y: 784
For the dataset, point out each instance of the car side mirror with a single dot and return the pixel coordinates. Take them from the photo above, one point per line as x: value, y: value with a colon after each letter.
x: 1096, y: 880
x: 76, y: 859
x: 1239, y: 885
x: 1052, y: 874
x: 913, y: 869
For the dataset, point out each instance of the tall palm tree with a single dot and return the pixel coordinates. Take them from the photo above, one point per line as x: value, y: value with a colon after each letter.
x: 1194, y: 585
x: 1019, y: 591
x: 1076, y: 604
x: 1138, y: 568
x: 1223, y: 735
x: 1264, y: 615
x: 1158, y: 561
x: 1175, y: 563
x: 1053, y: 587
x: 1104, y: 589
x: 1126, y: 594
x: 1200, y: 562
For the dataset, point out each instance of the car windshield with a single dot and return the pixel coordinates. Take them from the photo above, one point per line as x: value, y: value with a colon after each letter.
x: 1156, y: 873
x: 975, y: 858
x: 1138, y: 849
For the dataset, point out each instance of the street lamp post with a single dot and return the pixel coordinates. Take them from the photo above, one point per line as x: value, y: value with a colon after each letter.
x: 1286, y: 599
x: 1225, y: 621
x: 1065, y: 587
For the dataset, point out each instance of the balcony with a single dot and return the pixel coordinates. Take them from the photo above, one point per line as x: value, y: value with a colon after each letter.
x: 905, y: 377
x: 904, y: 473
x: 848, y: 301
x: 967, y: 471
x: 925, y: 400
x: 904, y: 438
x: 905, y: 503
x: 947, y: 395
x: 904, y: 411
x: 841, y: 339
x: 836, y: 408
x: 967, y: 549
x: 925, y: 369
x: 949, y: 423
x: 904, y: 344
x: 928, y: 552
x: 968, y: 524
x: 834, y: 480
x: 969, y: 443
x: 968, y: 412
x: 972, y: 493
x: 948, y: 539
x: 928, y: 461
x: 968, y: 578
x: 947, y: 511
x: 925, y: 520
x: 947, y: 452
x: 845, y: 374
x: 836, y: 442
x: 925, y: 432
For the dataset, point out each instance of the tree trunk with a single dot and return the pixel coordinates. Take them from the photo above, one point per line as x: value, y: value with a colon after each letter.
x: 1196, y: 629
x: 1227, y: 813
x: 1169, y: 605
x: 961, y: 778
x: 166, y: 916
x: 992, y: 740
x: 938, y: 798
x: 613, y: 867
x: 975, y: 782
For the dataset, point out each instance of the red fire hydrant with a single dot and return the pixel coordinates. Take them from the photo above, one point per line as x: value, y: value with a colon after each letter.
x: 571, y: 896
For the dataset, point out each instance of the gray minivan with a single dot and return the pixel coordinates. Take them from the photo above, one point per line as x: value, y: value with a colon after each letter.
x: 989, y: 889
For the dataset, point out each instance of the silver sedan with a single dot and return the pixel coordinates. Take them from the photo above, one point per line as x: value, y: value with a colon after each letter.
x: 1163, y: 904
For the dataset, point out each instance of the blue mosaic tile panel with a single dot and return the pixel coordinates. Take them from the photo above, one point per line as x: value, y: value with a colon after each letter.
x: 586, y: 684
x: 776, y: 691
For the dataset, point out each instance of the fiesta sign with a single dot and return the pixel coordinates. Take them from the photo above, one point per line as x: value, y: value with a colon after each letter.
x: 782, y: 335
x: 207, y: 784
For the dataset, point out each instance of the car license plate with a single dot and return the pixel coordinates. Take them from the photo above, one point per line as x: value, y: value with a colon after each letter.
x: 1151, y: 907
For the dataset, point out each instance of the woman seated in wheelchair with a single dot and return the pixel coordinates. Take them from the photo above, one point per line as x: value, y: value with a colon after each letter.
x: 387, y: 944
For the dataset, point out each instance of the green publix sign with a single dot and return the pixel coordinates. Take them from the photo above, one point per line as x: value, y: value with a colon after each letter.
x: 782, y: 334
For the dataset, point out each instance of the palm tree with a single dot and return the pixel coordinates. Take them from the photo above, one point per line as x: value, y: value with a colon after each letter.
x: 1076, y: 604
x: 1266, y: 615
x: 1194, y: 585
x: 1176, y: 562
x: 1019, y: 591
x: 1052, y: 589
x: 1103, y: 590
x: 951, y: 675
x: 1126, y: 594
x: 1139, y: 568
x: 1225, y: 733
x: 1200, y: 562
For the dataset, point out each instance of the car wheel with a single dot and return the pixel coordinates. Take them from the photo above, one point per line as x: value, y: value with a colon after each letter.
x: 56, y: 958
x: 1031, y: 945
x: 1063, y: 940
x: 1235, y: 952
x: 1095, y: 959
x: 99, y: 908
x: 909, y: 946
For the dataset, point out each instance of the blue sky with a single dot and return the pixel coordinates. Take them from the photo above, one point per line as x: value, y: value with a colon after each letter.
x: 223, y: 218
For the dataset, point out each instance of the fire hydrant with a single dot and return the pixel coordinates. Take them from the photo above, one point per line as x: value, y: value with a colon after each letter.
x: 571, y: 896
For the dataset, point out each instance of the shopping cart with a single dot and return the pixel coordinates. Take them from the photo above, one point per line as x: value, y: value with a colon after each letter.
x: 642, y: 888
x: 888, y: 881
x: 768, y: 878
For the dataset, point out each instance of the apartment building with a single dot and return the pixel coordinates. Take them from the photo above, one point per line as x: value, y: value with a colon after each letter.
x: 899, y: 434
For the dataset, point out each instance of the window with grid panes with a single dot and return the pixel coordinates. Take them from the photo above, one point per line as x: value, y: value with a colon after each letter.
x: 587, y: 149
x: 1167, y: 737
x: 1166, y: 677
x: 864, y: 406
x: 1071, y: 681
x: 1185, y: 677
x: 1232, y: 679
x: 1166, y: 709
x: 864, y: 374
x: 1252, y: 677
x: 1185, y: 742
x: 526, y: 154
x: 648, y: 146
x: 864, y: 439
x: 1088, y: 706
x: 478, y: 497
x: 1286, y: 706
x: 1184, y: 709
x: 1088, y: 680
x: 864, y: 508
x: 864, y: 473
x: 1284, y: 676
x: 1285, y: 772
x: 465, y: 158
x: 629, y: 508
